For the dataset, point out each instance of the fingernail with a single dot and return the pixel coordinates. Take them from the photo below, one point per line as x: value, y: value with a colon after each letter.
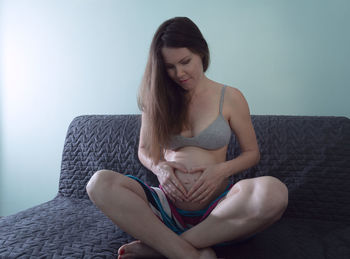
x: 122, y: 251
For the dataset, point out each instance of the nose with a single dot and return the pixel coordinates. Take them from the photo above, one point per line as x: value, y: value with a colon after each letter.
x: 179, y: 72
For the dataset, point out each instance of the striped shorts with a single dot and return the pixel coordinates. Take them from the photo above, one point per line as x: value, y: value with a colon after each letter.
x: 174, y: 218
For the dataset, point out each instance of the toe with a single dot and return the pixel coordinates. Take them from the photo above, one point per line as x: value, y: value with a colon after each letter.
x: 121, y: 250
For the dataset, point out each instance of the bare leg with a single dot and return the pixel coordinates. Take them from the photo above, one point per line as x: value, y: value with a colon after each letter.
x: 138, y: 249
x: 124, y: 202
x: 251, y: 206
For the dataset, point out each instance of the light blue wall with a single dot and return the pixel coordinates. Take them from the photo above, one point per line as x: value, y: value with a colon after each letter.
x: 1, y: 59
x: 71, y: 57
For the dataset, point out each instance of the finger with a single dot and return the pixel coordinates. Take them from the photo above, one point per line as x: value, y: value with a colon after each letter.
x: 170, y: 187
x: 176, y: 192
x: 195, y: 187
x: 180, y: 196
x: 203, y: 196
x: 168, y: 193
x: 204, y: 199
x: 197, y: 193
x: 181, y: 189
x: 179, y: 166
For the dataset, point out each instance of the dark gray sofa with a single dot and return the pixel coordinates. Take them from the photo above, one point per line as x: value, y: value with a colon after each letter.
x: 310, y: 154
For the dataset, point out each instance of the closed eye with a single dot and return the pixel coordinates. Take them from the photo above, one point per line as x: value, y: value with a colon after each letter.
x: 184, y: 62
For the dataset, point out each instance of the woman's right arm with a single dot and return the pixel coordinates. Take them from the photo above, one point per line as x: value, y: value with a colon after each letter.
x: 164, y: 170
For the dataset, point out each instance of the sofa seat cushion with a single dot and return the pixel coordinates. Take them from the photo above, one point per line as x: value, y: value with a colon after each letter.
x: 75, y: 228
x: 295, y: 238
x: 60, y: 228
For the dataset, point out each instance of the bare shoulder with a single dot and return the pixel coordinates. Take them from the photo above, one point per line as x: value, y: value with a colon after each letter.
x: 235, y: 100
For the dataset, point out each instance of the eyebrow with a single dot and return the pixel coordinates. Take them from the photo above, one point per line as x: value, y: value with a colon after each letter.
x: 188, y: 56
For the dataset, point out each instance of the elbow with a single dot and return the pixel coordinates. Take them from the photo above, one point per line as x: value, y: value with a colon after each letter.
x: 257, y: 157
x: 254, y: 157
x: 141, y: 153
x: 143, y: 156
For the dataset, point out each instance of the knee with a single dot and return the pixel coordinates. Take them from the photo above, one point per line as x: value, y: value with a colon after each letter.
x: 271, y: 196
x: 99, y: 182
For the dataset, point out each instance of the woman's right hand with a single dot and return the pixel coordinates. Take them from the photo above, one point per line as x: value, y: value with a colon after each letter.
x: 169, y: 182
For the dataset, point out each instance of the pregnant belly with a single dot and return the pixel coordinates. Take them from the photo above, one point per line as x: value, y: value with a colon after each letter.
x: 192, y: 157
x: 187, y: 180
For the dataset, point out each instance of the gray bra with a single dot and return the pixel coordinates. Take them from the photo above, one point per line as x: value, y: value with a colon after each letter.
x: 215, y: 136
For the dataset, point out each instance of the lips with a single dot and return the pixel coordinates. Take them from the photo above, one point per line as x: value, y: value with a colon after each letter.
x: 184, y: 81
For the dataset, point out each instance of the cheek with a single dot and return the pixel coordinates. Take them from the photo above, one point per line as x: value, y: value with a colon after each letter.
x: 196, y: 73
x: 196, y: 69
x: 171, y: 73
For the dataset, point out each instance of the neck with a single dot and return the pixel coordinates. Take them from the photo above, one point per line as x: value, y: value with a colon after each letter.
x: 200, y: 88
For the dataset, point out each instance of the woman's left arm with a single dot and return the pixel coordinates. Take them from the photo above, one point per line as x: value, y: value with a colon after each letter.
x: 240, y: 122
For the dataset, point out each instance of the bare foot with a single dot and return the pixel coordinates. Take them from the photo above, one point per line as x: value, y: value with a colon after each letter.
x: 207, y: 253
x: 137, y: 249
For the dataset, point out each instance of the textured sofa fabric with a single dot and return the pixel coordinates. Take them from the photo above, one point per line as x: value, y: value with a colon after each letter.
x: 310, y: 154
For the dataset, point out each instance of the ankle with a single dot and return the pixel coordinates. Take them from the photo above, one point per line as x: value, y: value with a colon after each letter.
x: 193, y: 254
x: 207, y: 253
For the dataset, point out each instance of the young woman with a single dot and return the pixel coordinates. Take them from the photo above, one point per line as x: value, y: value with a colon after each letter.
x: 187, y: 121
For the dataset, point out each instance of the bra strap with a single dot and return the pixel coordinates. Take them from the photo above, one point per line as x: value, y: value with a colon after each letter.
x: 222, y: 97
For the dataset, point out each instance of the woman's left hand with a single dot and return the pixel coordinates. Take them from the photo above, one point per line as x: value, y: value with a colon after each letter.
x: 207, y: 183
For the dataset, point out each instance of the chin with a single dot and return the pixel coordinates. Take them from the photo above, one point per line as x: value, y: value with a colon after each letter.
x: 187, y: 87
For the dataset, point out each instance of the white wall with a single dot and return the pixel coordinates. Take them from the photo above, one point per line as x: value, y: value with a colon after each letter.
x: 61, y: 59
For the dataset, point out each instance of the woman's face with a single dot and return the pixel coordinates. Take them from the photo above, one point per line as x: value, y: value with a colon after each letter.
x: 183, y: 66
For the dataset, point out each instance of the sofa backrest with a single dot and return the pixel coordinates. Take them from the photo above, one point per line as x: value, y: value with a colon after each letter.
x: 311, y: 155
x: 96, y: 142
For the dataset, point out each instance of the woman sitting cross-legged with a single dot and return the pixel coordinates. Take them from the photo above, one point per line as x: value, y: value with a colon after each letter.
x: 187, y: 122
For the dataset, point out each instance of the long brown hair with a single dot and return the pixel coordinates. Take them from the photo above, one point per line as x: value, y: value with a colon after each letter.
x: 165, y: 102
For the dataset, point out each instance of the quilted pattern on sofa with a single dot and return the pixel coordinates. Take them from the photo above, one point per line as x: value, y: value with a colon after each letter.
x: 310, y: 154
